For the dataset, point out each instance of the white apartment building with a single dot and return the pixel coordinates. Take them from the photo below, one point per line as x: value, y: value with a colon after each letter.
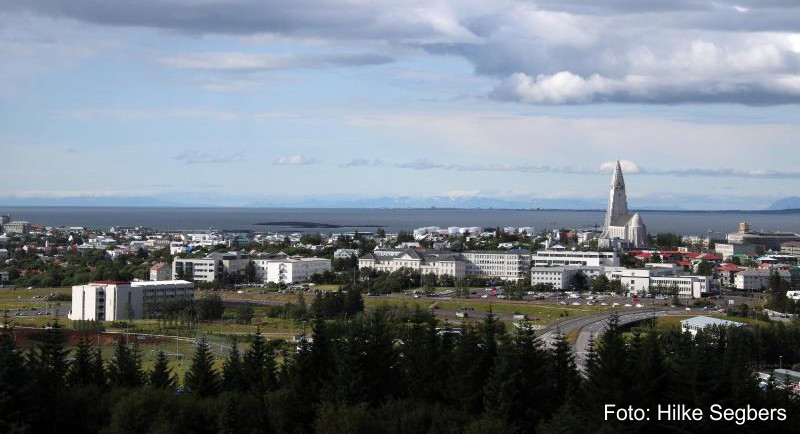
x: 688, y: 286
x: 560, y: 277
x: 112, y: 301
x: 17, y: 227
x: 757, y: 279
x: 289, y: 269
x: 501, y: 264
x: 637, y: 281
x: 425, y: 262
x: 214, y: 266
x: 561, y: 257
x: 506, y: 265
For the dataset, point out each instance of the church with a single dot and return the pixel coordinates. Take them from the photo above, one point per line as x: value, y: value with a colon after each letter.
x: 621, y: 228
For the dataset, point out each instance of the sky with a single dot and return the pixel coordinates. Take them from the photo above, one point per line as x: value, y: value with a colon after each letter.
x: 271, y: 103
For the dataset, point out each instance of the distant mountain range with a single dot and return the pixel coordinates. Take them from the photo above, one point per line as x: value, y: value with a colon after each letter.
x: 462, y: 202
x: 786, y: 203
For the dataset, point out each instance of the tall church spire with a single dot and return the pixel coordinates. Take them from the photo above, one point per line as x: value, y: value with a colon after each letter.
x: 618, y: 200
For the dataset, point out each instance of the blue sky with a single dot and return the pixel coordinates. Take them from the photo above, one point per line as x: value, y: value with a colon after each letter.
x: 243, y: 102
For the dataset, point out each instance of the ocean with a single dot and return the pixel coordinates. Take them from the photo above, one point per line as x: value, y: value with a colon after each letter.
x: 716, y: 223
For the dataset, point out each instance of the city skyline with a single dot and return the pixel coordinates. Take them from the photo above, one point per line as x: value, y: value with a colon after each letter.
x: 413, y: 103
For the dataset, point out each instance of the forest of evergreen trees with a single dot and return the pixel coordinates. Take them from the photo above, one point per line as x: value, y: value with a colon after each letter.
x: 395, y: 370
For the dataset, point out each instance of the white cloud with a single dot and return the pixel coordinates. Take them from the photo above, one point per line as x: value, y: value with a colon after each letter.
x: 627, y: 166
x: 294, y: 160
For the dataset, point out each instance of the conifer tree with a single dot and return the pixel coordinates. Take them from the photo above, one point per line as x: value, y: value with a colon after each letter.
x: 201, y: 378
x: 258, y: 366
x: 232, y: 371
x: 14, y: 383
x: 161, y: 376
x: 125, y: 368
x: 83, y: 369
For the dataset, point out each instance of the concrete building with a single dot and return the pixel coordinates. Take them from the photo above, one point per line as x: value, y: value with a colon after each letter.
x: 509, y: 265
x: 562, y: 278
x: 727, y: 251
x: 505, y: 264
x: 439, y: 263
x: 160, y: 272
x: 757, y: 279
x: 694, y: 325
x: 768, y: 240
x: 619, y: 224
x: 113, y: 301
x: 561, y: 257
x: 791, y: 248
x: 289, y: 269
x: 3, y: 254
x: 4, y: 218
x: 17, y: 227
x: 214, y: 266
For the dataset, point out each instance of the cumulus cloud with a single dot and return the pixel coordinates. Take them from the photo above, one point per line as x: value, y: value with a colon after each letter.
x: 547, y: 52
x: 627, y: 166
x: 294, y: 160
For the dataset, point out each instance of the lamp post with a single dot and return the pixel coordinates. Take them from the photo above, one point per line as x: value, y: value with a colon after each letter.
x: 780, y: 362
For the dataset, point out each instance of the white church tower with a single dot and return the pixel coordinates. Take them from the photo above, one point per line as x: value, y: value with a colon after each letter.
x: 621, y: 226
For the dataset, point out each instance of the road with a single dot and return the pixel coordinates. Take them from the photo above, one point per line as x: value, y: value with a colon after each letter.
x: 592, y: 326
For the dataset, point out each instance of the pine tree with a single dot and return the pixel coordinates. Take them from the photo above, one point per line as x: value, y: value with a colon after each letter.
x: 83, y: 369
x: 125, y: 368
x: 566, y: 377
x: 161, y: 375
x: 201, y: 378
x: 14, y: 384
x: 49, y: 367
x: 49, y: 361
x: 258, y: 366
x: 232, y: 371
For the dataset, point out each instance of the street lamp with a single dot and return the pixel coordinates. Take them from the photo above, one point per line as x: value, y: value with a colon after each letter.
x: 780, y: 362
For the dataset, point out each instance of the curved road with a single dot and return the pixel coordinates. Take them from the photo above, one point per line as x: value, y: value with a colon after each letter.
x: 592, y: 326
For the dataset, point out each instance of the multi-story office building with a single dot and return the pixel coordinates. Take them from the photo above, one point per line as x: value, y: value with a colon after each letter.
x: 757, y: 279
x: 113, y: 301
x: 791, y: 248
x: 439, y: 263
x: 289, y: 269
x: 635, y: 281
x: 501, y: 264
x: 769, y: 240
x: 17, y: 227
x: 561, y: 257
x: 214, y: 266
x: 506, y: 264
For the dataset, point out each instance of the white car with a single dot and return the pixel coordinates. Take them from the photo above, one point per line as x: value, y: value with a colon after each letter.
x: 638, y: 304
x: 615, y: 304
x: 628, y: 305
x: 604, y: 304
x: 576, y: 303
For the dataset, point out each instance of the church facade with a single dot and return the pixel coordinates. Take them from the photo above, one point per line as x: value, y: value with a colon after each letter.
x: 621, y: 227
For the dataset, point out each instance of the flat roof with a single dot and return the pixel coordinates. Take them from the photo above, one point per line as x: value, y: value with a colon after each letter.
x: 706, y: 321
